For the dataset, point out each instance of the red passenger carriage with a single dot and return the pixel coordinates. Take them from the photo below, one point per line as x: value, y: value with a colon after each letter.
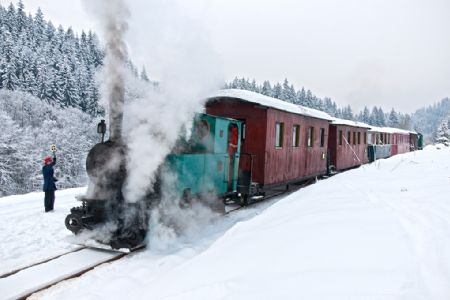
x: 287, y: 143
x: 400, y: 141
x: 347, y: 144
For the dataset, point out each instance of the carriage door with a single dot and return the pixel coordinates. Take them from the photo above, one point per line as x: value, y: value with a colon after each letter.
x: 233, y: 136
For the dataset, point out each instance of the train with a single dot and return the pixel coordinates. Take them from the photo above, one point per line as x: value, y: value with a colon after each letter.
x: 243, y: 148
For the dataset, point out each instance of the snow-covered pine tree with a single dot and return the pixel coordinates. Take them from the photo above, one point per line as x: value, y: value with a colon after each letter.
x: 443, y: 131
x: 365, y: 115
x: 8, y: 63
x: 144, y: 75
x: 277, y: 91
x: 266, y: 89
x: 393, y: 120
x: 288, y: 92
x: 347, y: 113
x: 381, y: 119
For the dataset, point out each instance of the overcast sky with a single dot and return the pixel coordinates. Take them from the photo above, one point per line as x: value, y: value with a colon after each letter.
x: 393, y: 53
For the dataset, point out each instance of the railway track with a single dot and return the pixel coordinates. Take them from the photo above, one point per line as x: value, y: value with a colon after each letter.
x: 23, y: 282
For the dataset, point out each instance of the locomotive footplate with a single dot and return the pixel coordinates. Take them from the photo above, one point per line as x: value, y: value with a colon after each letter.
x: 86, y: 216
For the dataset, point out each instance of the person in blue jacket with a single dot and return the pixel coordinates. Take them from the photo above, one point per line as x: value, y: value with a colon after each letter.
x: 49, y: 182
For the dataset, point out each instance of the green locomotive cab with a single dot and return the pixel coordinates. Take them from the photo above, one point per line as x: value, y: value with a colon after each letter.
x: 207, y: 162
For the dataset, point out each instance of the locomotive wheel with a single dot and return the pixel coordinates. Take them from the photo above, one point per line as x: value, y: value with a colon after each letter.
x: 131, y: 240
x: 243, y: 200
x: 74, y: 223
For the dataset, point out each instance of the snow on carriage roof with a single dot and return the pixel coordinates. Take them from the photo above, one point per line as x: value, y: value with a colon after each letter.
x: 271, y: 102
x: 337, y: 121
x: 391, y: 130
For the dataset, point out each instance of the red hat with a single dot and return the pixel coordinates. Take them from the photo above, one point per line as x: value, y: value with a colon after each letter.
x: 47, y: 160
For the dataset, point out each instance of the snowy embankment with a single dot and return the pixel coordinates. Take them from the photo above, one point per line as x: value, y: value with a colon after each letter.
x: 378, y: 232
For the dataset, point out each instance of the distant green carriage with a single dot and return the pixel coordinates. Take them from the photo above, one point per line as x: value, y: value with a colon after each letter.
x: 419, y: 141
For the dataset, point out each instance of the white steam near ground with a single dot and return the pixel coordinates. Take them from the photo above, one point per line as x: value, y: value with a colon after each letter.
x: 189, y: 70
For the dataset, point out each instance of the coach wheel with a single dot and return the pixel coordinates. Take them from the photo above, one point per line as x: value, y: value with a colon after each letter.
x: 74, y: 223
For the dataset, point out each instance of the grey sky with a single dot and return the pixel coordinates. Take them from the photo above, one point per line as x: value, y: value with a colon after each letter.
x: 393, y: 53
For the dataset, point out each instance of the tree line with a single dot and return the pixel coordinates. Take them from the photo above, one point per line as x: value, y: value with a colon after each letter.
x: 287, y: 92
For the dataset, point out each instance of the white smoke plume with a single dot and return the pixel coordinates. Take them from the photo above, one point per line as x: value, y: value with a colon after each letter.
x: 189, y: 70
x: 112, y: 16
x: 178, y: 48
x: 179, y: 56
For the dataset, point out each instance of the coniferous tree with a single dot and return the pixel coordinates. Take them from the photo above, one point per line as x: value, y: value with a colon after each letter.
x: 267, y: 89
x: 288, y: 92
x: 144, y: 75
x: 347, y: 113
x: 277, y: 91
x: 365, y: 115
x: 381, y: 119
x: 443, y: 132
x: 393, y: 119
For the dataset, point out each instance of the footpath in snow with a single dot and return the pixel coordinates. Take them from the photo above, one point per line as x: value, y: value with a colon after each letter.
x: 381, y: 231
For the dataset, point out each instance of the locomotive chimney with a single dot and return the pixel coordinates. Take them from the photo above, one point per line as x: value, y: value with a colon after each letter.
x: 115, y: 64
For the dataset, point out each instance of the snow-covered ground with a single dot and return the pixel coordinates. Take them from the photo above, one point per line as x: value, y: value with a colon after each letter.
x: 28, y: 234
x: 378, y: 232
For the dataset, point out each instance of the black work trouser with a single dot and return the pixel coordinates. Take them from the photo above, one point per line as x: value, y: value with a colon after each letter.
x: 49, y: 200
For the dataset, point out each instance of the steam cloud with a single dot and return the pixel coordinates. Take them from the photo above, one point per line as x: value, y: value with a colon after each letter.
x: 112, y: 17
x: 178, y: 48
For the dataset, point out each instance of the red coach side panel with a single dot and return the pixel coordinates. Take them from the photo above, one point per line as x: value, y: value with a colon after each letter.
x: 293, y: 162
x: 404, y: 144
x: 350, y: 150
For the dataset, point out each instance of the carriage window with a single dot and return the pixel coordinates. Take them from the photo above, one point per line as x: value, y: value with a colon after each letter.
x: 354, y: 138
x: 340, y: 137
x: 349, y: 137
x: 243, y: 130
x: 322, y: 137
x: 202, y: 129
x: 310, y: 137
x: 359, y: 138
x: 365, y: 138
x: 295, y: 135
x: 279, y: 131
x: 381, y: 139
